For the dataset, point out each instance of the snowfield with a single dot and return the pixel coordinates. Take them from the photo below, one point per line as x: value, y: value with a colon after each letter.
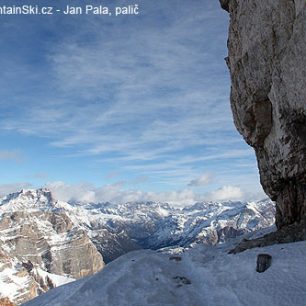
x: 202, y: 276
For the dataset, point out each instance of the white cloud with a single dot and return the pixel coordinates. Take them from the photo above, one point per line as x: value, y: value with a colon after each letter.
x: 74, y: 192
x: 204, y: 179
x: 6, y: 189
x: 115, y: 193
x: 225, y: 193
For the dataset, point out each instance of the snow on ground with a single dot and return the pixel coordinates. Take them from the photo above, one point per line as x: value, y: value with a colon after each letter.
x: 57, y: 280
x: 15, y: 282
x: 197, y: 277
x: 12, y: 284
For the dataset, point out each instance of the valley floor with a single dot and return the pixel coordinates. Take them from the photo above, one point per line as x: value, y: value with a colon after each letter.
x: 200, y: 276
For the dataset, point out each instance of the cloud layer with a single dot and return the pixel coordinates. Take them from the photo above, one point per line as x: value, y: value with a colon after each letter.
x: 117, y: 193
x: 145, y: 97
x: 202, y: 180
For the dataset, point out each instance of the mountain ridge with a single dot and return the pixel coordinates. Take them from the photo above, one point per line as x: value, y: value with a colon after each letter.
x: 106, y: 231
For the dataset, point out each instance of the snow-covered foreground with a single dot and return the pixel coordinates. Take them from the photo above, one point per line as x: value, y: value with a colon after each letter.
x: 201, y: 276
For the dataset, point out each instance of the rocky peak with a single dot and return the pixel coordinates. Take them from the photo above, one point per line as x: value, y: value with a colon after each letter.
x: 28, y: 198
x: 40, y: 246
x: 267, y: 52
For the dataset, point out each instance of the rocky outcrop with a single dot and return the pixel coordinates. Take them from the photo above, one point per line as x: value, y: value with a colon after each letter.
x: 50, y: 241
x: 267, y: 55
x: 263, y: 262
x: 40, y: 247
x: 292, y: 233
x: 6, y: 302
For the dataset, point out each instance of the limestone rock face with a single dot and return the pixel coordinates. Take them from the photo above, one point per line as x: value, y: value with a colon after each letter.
x: 267, y: 63
x: 6, y: 302
x: 49, y: 240
x: 40, y: 246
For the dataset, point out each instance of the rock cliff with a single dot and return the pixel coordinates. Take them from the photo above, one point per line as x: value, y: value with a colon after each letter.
x: 267, y: 56
x: 49, y: 240
x: 40, y: 247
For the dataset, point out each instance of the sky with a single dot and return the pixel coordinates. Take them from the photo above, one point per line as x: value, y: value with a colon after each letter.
x: 126, y: 108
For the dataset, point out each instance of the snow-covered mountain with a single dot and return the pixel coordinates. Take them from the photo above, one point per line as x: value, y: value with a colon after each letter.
x: 45, y: 242
x: 40, y: 247
x: 157, y: 225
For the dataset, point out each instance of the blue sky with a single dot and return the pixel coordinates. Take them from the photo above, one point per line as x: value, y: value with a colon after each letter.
x: 122, y: 108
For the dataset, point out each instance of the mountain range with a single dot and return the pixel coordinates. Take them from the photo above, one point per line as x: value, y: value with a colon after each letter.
x: 45, y: 243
